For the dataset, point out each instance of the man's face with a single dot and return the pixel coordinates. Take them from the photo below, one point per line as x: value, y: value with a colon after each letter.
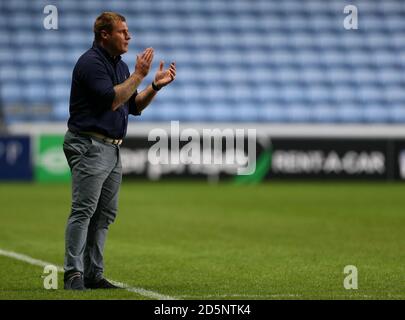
x: 117, y: 42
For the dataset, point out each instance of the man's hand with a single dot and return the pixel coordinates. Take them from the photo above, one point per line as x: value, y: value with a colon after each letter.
x: 143, y: 63
x: 125, y: 90
x: 164, y: 77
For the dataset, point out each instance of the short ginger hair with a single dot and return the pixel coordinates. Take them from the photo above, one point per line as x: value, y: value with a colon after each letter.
x: 105, y: 22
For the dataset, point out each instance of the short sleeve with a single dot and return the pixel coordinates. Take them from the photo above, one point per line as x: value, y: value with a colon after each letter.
x: 94, y: 76
x: 132, y: 105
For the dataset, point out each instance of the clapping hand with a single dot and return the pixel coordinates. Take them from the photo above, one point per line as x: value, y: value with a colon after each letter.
x: 164, y: 77
x: 143, y: 62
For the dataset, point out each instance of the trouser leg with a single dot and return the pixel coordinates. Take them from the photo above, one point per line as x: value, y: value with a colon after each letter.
x: 89, y: 170
x: 78, y: 222
x: 105, y: 214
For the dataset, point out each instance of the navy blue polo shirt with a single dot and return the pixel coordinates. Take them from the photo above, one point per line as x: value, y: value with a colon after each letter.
x: 92, y: 94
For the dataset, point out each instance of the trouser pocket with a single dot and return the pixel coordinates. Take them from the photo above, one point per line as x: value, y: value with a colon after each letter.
x: 76, y: 146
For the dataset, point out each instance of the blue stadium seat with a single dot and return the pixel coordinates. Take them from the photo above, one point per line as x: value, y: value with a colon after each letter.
x: 10, y: 93
x: 397, y: 113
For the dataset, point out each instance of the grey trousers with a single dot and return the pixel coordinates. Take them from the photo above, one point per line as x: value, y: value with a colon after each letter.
x: 96, y: 179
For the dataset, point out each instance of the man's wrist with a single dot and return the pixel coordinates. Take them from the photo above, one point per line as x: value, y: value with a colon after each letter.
x: 137, y: 76
x: 155, y: 87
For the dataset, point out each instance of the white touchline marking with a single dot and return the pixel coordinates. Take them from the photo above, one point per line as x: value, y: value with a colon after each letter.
x: 158, y: 296
x: 23, y: 257
x: 41, y: 263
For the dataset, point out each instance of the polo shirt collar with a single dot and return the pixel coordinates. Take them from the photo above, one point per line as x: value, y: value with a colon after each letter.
x: 113, y: 60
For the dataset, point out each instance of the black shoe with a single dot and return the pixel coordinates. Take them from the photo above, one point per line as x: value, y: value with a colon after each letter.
x: 74, y: 281
x: 100, y: 284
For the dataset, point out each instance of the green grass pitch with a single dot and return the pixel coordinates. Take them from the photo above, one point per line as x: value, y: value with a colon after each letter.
x: 201, y: 241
